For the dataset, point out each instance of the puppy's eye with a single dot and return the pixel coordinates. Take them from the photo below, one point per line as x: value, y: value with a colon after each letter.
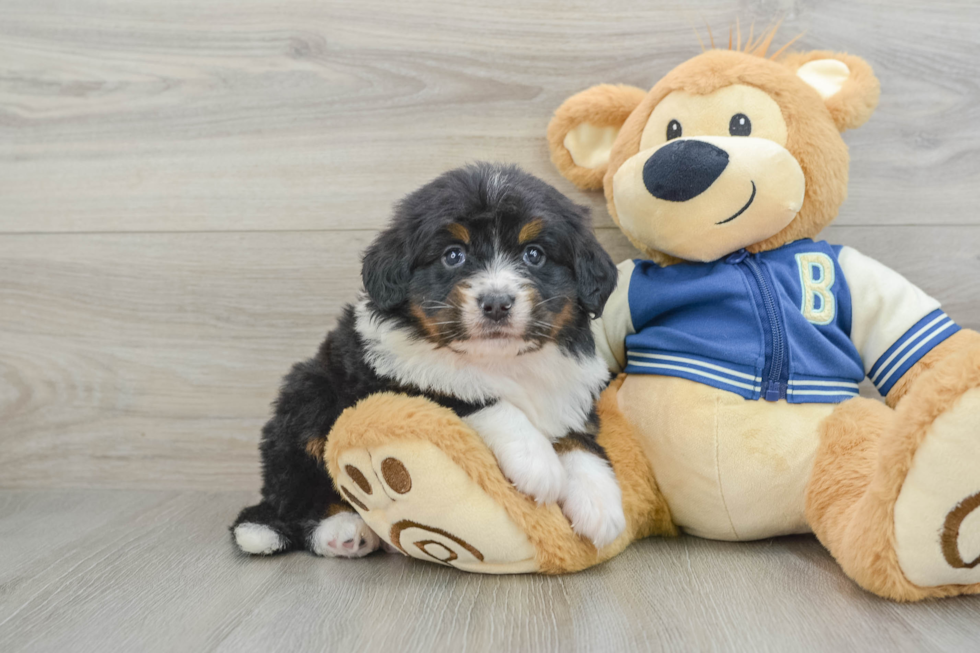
x: 740, y: 125
x: 534, y: 256
x: 454, y: 256
x: 674, y: 130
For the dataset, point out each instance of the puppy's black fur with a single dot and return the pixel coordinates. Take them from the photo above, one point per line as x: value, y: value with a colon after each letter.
x: 490, y: 211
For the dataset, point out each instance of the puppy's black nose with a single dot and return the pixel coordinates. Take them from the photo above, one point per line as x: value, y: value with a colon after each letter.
x: 496, y: 307
x: 682, y: 170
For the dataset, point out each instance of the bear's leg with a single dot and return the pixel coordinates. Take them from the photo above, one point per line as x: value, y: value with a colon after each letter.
x: 410, y: 490
x: 895, y: 494
x: 842, y: 508
x: 430, y: 488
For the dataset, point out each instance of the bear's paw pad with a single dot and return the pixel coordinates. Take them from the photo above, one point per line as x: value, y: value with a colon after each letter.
x: 425, y: 506
x: 937, y: 514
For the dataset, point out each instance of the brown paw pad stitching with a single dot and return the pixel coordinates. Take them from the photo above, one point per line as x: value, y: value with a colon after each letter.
x: 396, y: 476
x: 354, y: 500
x: 438, y: 551
x: 951, y: 532
x: 357, y: 476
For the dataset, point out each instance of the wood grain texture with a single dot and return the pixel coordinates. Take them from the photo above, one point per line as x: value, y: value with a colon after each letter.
x: 150, y: 360
x: 156, y: 571
x: 307, y: 114
x: 185, y: 188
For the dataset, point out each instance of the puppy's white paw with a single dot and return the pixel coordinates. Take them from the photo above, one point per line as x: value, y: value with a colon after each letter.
x: 257, y: 539
x: 592, y: 500
x: 533, y: 467
x: 524, y: 454
x: 345, y: 535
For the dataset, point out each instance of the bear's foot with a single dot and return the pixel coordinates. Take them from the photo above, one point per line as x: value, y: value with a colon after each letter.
x: 427, y: 484
x: 937, y: 514
x: 419, y: 502
x: 895, y: 494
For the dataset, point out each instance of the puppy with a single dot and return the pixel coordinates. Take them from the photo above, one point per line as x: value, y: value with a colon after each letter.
x: 479, y: 297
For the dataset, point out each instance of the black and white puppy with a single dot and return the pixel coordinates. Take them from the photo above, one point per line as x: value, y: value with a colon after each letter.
x: 479, y: 297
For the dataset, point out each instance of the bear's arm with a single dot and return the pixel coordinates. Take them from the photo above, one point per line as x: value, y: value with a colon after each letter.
x: 894, y: 325
x: 616, y: 323
x: 957, y: 347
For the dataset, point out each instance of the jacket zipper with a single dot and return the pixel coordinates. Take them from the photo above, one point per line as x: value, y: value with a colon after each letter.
x: 773, y: 390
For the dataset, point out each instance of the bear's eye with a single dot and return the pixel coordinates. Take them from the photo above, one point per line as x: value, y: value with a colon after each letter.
x: 673, y: 130
x: 740, y: 125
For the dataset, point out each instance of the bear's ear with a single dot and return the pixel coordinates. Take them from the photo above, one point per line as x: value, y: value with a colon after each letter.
x: 846, y: 83
x: 584, y: 128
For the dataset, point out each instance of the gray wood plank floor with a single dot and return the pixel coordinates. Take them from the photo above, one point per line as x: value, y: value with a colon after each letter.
x: 185, y: 188
x: 155, y: 571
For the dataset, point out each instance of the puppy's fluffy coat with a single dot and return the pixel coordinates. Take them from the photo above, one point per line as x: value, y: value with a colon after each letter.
x: 479, y: 296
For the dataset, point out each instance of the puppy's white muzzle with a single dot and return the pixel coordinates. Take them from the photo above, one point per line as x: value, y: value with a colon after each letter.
x: 496, y: 303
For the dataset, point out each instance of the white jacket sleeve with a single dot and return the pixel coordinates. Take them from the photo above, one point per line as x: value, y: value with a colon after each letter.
x: 611, y: 329
x: 893, y: 323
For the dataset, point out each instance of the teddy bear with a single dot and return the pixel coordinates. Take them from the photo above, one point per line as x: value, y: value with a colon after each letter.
x: 739, y: 342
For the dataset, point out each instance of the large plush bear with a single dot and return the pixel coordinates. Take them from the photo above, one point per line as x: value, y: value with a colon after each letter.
x: 741, y: 341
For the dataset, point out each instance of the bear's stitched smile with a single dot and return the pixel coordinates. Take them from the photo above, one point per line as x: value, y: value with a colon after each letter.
x: 741, y: 210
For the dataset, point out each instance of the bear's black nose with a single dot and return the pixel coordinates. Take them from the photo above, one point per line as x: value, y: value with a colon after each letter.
x: 682, y: 170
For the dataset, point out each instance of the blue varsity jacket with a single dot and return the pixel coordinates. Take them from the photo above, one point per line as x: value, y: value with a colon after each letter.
x: 804, y: 322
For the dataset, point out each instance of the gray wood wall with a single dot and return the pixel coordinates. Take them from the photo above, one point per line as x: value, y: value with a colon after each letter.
x: 185, y: 187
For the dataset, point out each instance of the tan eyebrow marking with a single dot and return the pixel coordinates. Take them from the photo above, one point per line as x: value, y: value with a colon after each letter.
x: 459, y: 232
x: 531, y: 230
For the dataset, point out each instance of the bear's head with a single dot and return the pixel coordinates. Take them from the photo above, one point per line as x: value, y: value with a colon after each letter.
x: 729, y: 150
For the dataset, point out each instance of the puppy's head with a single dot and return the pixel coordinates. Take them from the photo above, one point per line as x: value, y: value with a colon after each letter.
x: 488, y: 259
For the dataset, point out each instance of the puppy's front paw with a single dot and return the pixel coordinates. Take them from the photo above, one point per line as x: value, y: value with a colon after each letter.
x: 592, y: 500
x: 533, y: 467
x: 345, y: 535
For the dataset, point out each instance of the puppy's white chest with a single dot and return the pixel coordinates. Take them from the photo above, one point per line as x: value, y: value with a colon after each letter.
x: 552, y: 415
x: 554, y: 390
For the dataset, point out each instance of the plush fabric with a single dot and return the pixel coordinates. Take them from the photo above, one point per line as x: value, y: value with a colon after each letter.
x: 853, y: 105
x: 812, y: 137
x: 606, y: 105
x: 865, y: 454
x: 890, y: 488
x: 729, y: 469
x: 458, y: 498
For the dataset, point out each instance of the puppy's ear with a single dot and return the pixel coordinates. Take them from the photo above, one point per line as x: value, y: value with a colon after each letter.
x: 584, y: 128
x: 595, y: 273
x: 385, y: 270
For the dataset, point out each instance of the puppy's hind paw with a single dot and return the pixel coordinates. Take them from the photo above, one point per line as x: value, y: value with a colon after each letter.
x: 258, y: 539
x: 592, y: 501
x: 344, y: 535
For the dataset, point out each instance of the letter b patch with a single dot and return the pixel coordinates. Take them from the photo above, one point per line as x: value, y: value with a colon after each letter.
x: 817, y: 278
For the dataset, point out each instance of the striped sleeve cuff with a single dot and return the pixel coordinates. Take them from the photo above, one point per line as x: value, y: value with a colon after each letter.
x: 910, y: 348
